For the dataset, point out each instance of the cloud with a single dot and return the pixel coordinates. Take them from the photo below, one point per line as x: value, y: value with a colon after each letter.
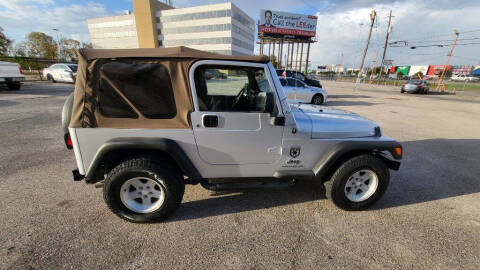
x: 338, y: 31
x: 19, y: 17
x: 419, y: 22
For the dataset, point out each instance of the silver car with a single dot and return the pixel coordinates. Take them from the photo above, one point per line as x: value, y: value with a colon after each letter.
x: 299, y: 92
x: 61, y: 73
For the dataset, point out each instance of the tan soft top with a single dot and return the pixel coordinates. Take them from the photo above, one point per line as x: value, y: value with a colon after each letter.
x: 176, y: 61
x: 173, y: 52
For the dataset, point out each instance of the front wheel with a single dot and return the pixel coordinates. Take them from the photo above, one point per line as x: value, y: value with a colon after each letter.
x: 138, y: 190
x: 358, y: 183
x: 317, y: 99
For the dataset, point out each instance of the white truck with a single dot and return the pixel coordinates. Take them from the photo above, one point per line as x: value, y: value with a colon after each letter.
x: 11, y: 75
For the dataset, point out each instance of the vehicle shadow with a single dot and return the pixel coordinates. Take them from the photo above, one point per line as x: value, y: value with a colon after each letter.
x: 431, y: 170
x: 7, y: 103
x: 223, y: 203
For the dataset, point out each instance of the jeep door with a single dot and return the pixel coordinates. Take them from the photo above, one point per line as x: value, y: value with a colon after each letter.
x: 230, y: 122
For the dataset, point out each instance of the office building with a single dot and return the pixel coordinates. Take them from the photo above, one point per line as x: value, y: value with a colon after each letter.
x: 220, y: 28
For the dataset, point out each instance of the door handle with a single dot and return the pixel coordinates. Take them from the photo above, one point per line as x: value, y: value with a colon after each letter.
x: 210, y: 120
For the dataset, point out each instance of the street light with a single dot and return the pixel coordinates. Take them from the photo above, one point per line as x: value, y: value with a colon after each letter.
x: 58, y: 41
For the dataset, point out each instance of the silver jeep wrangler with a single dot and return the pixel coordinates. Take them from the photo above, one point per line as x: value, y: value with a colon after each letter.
x: 145, y: 122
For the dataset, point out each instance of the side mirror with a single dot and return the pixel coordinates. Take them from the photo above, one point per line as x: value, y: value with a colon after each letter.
x: 270, y: 103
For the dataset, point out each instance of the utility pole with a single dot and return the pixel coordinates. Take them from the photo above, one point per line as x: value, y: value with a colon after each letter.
x: 373, y: 69
x: 440, y: 81
x: 373, y: 15
x: 389, y: 29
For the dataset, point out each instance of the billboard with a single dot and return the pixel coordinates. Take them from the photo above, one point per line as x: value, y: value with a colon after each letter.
x: 286, y: 24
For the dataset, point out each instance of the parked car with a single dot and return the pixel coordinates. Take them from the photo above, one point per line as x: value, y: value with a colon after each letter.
x: 299, y: 92
x: 464, y: 78
x: 144, y: 139
x: 215, y: 74
x: 61, y: 72
x: 11, y: 75
x: 415, y: 86
x: 299, y: 75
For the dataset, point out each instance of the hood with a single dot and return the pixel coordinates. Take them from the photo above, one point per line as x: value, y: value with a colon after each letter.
x: 328, y: 123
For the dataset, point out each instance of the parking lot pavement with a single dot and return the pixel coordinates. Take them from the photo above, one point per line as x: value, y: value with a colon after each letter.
x: 429, y: 217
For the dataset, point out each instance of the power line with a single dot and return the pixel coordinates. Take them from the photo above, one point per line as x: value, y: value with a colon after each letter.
x: 434, y: 45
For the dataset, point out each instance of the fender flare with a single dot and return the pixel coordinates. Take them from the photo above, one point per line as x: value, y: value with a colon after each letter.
x: 167, y: 146
x: 339, y: 150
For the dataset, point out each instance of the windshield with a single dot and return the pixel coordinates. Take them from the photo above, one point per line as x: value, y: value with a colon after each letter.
x: 73, y: 67
x: 415, y: 82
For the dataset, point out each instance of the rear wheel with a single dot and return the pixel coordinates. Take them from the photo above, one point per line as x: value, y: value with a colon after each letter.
x: 358, y: 183
x: 317, y: 99
x: 14, y: 86
x: 50, y: 78
x: 138, y: 190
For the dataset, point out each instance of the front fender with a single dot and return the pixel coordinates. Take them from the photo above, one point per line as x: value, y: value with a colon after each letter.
x: 344, y: 148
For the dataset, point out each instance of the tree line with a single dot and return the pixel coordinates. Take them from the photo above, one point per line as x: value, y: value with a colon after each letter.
x: 38, y: 44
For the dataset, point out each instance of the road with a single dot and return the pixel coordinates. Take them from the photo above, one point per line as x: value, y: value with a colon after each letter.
x: 429, y: 217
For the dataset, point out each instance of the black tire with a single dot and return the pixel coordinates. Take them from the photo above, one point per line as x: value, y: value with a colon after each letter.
x: 14, y: 85
x: 317, y: 99
x: 335, y: 187
x: 50, y: 78
x: 171, y: 181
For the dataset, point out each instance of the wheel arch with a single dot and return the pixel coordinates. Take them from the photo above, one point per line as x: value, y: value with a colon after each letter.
x: 341, y: 152
x: 117, y: 150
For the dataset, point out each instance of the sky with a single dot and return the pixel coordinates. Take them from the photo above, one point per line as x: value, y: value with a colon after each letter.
x: 342, y: 26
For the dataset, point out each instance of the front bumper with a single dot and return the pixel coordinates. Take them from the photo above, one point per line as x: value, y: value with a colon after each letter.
x: 411, y: 90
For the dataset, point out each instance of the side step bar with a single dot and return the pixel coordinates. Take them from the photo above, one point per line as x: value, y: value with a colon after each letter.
x: 246, y: 185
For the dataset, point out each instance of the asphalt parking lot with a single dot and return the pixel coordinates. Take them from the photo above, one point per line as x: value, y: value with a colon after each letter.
x: 429, y: 217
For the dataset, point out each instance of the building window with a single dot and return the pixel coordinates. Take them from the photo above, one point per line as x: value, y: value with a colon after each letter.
x: 204, y: 41
x: 159, y: 31
x: 197, y: 16
x: 160, y: 43
x: 237, y: 16
x: 157, y: 19
x: 197, y: 29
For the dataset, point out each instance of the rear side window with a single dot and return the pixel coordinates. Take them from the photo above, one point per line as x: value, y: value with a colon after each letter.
x: 146, y: 85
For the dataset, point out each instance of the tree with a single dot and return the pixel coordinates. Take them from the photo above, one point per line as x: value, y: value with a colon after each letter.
x: 87, y: 45
x: 20, y: 49
x: 5, y: 42
x: 68, y: 48
x: 418, y: 75
x: 39, y: 44
x: 399, y: 75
